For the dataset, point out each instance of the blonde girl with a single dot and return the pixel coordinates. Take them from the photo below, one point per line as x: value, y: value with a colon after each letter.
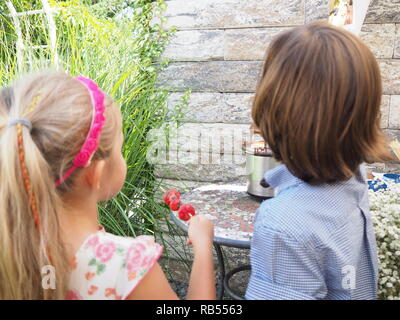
x: 60, y: 154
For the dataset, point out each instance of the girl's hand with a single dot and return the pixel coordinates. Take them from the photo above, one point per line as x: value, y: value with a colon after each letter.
x: 201, y: 232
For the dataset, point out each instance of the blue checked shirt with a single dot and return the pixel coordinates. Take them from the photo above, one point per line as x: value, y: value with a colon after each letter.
x: 313, y: 242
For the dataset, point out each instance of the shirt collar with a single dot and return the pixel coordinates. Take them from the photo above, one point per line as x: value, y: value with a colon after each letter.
x: 281, y: 178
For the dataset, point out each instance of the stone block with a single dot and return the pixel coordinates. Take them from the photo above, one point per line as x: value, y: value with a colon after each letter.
x: 383, y: 11
x: 385, y: 109
x: 238, y: 107
x: 249, y: 44
x: 193, y: 14
x: 379, y: 38
x: 394, y: 115
x: 240, y: 76
x: 390, y: 70
x: 203, y: 167
x: 196, y: 45
x: 260, y: 13
x: 317, y: 10
x: 213, y: 107
x: 397, y: 42
x: 213, y: 76
x: 211, y: 14
x: 217, y: 138
x: 203, y: 106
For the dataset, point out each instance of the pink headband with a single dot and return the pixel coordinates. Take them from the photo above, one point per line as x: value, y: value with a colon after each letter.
x: 91, y: 143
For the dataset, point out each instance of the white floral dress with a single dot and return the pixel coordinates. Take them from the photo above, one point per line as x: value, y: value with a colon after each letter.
x: 109, y: 267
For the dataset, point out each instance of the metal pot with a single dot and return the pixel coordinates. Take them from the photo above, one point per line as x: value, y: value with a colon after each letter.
x: 256, y: 166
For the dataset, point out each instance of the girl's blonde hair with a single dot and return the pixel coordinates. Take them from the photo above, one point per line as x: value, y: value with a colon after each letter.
x: 60, y: 110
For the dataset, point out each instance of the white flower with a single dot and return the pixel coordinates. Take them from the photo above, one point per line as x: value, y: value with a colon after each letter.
x: 385, y: 211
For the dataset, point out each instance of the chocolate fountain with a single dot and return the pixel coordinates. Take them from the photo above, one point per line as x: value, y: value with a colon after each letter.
x: 259, y: 159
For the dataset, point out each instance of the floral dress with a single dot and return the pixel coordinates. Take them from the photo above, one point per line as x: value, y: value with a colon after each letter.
x: 109, y: 267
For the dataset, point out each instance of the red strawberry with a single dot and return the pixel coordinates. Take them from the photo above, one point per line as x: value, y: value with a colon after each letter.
x: 183, y: 215
x: 166, y: 198
x: 175, y: 193
x: 186, y: 211
x: 171, y: 193
x: 174, y: 204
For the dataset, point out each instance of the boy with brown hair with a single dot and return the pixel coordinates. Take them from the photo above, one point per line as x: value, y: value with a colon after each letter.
x: 318, y: 107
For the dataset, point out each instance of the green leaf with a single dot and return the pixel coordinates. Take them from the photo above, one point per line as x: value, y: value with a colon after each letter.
x: 100, y: 268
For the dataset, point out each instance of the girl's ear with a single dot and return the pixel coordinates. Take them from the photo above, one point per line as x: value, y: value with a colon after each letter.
x: 94, y: 173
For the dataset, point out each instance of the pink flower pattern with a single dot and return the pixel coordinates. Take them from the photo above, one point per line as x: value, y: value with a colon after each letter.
x: 105, y: 251
x: 135, y: 256
x: 112, y: 265
x: 93, y: 241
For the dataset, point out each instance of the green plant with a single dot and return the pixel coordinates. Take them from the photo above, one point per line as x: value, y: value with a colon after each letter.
x: 34, y: 29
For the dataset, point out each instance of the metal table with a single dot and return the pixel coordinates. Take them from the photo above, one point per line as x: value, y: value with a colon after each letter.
x: 232, y: 211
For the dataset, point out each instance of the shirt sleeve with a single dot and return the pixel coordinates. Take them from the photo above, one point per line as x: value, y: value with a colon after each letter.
x: 283, y: 268
x: 140, y: 257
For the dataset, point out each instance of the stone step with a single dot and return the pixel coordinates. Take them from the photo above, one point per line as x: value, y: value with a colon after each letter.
x: 196, y: 45
x: 206, y: 107
x: 213, y: 76
x: 242, y: 76
x: 216, y: 138
x: 211, y: 14
x: 213, y: 107
x: 190, y: 166
x: 251, y: 43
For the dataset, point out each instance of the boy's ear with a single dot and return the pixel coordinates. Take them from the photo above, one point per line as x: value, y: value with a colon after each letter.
x: 94, y: 173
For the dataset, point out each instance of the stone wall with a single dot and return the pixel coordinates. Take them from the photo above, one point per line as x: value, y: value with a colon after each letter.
x: 217, y: 53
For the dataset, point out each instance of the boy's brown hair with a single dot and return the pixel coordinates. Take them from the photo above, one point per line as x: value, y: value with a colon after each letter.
x: 318, y: 103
